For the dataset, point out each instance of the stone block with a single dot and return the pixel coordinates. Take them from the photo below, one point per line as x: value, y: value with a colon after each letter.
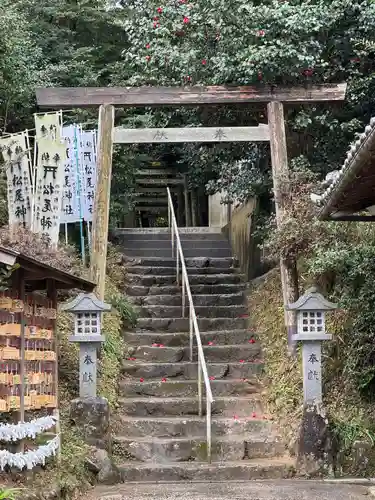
x: 91, y: 416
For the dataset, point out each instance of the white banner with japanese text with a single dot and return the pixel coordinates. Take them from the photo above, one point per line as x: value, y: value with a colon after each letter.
x: 88, y: 155
x: 51, y: 154
x: 15, y: 150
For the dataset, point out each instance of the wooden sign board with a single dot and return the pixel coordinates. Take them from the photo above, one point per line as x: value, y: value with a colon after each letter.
x: 190, y: 134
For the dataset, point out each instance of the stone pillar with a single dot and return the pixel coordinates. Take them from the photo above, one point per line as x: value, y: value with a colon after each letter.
x: 315, y: 448
x: 87, y: 369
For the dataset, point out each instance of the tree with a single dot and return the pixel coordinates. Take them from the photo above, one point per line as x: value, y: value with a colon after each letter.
x: 254, y: 43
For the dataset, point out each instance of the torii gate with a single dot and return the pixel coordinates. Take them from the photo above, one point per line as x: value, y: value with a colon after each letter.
x: 107, y: 98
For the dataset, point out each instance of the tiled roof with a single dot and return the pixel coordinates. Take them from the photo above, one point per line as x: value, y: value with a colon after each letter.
x: 336, y: 178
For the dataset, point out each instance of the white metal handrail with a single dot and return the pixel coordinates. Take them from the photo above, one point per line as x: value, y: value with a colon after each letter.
x: 193, y: 323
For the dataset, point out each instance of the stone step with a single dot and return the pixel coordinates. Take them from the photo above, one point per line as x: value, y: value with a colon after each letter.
x: 166, y: 311
x: 186, y: 243
x: 182, y: 339
x: 233, y: 407
x: 168, y: 271
x: 194, y: 279
x: 165, y: 233
x: 244, y: 470
x: 166, y: 427
x: 182, y: 324
x: 198, y: 262
x: 167, y: 252
x: 217, y: 289
x: 184, y: 388
x: 166, y: 450
x: 228, y: 299
x: 216, y: 353
x: 189, y: 371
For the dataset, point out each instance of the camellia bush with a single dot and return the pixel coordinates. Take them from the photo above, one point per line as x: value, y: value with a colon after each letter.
x: 181, y: 42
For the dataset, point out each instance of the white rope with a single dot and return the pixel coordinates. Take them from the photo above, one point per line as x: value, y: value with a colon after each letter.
x: 23, y: 430
x: 31, y: 458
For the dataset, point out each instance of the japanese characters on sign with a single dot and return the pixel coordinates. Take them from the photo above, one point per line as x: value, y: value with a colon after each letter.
x: 49, y: 175
x: 72, y: 197
x: 88, y: 155
x: 15, y: 151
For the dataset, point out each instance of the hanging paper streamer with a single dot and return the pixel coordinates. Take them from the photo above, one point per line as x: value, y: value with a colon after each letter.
x: 22, y: 430
x: 17, y: 162
x: 31, y: 458
x: 89, y: 172
x: 49, y: 175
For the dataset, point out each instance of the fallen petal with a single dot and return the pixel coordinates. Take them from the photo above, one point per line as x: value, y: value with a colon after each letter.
x: 242, y: 361
x: 163, y: 379
x: 141, y: 379
x: 253, y: 415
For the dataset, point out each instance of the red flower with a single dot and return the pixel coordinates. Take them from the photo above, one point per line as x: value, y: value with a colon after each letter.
x: 183, y: 1
x: 212, y: 378
x: 204, y: 62
x: 161, y: 345
x: 132, y: 359
x: 148, y: 58
x: 210, y: 342
x: 160, y: 10
x: 260, y: 75
x: 261, y: 33
x: 141, y: 379
x: 253, y: 415
x: 252, y: 341
x: 163, y: 379
x: 242, y: 361
x: 186, y: 20
x: 148, y: 46
x: 308, y: 72
x: 235, y: 417
x: 156, y: 25
x: 156, y: 18
x: 188, y: 78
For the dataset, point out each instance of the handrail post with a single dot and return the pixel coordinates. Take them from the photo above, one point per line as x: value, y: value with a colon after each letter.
x: 191, y: 332
x: 208, y: 422
x: 177, y: 268
x: 200, y: 402
x: 183, y: 295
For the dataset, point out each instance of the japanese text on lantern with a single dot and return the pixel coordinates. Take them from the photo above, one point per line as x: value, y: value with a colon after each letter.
x: 49, y: 175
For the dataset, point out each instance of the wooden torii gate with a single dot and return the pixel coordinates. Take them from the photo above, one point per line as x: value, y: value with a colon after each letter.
x: 107, y: 98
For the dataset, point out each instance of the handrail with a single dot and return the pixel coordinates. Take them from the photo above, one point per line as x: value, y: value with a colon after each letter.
x: 193, y: 323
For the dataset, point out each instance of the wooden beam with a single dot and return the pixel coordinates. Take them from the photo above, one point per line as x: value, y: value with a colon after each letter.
x: 190, y: 134
x: 146, y: 208
x: 154, y: 190
x: 102, y: 197
x: 90, y: 97
x: 352, y: 218
x: 144, y: 199
x: 161, y: 182
x: 156, y: 171
x: 280, y: 173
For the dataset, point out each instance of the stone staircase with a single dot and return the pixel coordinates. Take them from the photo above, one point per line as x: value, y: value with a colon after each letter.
x: 159, y: 435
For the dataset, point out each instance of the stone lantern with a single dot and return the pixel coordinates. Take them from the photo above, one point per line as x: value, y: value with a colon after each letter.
x: 87, y: 310
x: 311, y: 331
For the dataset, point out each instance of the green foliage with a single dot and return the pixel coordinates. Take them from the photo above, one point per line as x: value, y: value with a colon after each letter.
x: 9, y: 494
